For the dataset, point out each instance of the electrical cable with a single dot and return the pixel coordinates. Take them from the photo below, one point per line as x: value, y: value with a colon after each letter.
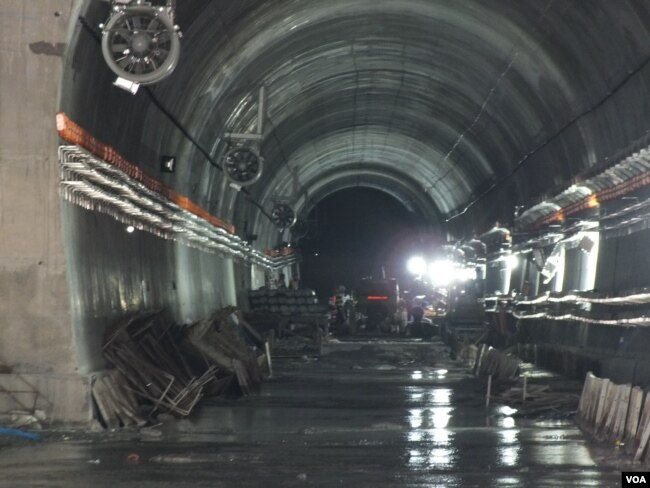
x: 632, y: 322
x: 166, y: 112
x: 550, y: 139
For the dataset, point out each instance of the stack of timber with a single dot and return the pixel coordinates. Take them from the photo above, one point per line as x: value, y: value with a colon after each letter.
x: 162, y: 368
x: 618, y: 414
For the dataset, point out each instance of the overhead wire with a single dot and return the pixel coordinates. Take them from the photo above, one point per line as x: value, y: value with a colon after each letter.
x: 176, y: 123
x: 611, y: 93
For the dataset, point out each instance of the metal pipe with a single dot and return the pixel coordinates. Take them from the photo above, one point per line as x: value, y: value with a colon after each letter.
x: 243, y: 137
x: 261, y: 110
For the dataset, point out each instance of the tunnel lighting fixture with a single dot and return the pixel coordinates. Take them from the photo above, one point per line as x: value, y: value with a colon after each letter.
x: 97, y: 185
x: 167, y: 164
x: 130, y: 229
x: 416, y: 265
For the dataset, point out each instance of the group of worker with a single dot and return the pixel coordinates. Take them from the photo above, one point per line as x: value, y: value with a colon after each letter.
x: 409, y: 319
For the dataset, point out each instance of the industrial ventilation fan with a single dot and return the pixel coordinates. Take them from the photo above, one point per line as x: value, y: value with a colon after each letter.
x: 299, y: 230
x: 283, y: 215
x: 140, y: 42
x: 243, y: 165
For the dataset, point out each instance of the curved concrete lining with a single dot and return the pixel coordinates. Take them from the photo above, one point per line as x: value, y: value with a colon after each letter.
x: 431, y: 101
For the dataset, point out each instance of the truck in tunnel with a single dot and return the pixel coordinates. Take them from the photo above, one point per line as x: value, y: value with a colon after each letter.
x: 164, y: 162
x: 377, y: 301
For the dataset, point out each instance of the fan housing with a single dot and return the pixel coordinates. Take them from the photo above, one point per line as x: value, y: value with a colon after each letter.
x: 243, y: 165
x: 141, y: 44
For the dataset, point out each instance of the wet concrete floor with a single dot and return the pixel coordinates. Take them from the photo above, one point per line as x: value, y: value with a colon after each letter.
x: 365, y: 414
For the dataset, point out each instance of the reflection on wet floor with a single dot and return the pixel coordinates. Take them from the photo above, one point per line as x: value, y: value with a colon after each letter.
x: 372, y: 415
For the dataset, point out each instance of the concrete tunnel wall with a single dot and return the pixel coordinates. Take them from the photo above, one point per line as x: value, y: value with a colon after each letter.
x: 112, y: 272
x: 563, y: 88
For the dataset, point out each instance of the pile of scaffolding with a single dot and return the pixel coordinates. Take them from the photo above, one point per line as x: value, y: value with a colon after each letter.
x: 159, y: 367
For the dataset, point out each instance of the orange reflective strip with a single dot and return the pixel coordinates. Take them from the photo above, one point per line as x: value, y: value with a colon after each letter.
x: 72, y: 133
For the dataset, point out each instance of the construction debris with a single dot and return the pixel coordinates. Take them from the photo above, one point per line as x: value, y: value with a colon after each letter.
x: 492, y: 362
x: 531, y: 400
x: 528, y: 399
x: 163, y: 368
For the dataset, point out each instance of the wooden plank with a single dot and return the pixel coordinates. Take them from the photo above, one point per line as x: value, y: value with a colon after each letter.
x: 610, y: 414
x: 103, y: 406
x: 633, y: 417
x: 643, y: 432
x: 594, y: 403
x: 616, y: 433
x: 601, y: 409
x: 585, y: 397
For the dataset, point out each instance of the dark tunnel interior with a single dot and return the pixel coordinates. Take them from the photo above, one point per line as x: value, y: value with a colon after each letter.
x: 462, y: 111
x: 475, y: 173
x: 359, y: 233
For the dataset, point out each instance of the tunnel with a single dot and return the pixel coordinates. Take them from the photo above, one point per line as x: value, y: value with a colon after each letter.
x: 521, y: 125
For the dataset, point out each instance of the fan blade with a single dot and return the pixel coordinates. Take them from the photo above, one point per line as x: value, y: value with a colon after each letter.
x: 119, y: 48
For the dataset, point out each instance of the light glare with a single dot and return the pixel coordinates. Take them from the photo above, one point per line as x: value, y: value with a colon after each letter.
x: 512, y: 262
x: 441, y: 272
x: 416, y: 265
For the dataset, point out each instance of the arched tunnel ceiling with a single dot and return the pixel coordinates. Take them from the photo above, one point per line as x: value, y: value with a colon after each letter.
x: 431, y: 98
x: 392, y: 83
x: 374, y: 150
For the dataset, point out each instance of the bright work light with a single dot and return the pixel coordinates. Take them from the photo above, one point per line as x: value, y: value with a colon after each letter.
x: 416, y: 265
x: 442, y: 273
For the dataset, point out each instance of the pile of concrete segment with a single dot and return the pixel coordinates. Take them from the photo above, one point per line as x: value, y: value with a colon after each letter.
x: 159, y: 367
x: 285, y: 301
